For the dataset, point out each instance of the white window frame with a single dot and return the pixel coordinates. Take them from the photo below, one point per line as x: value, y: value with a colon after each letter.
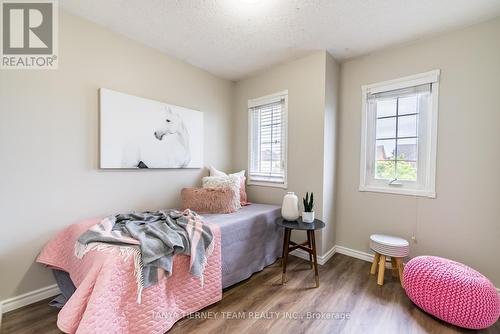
x: 427, y: 158
x: 261, y: 101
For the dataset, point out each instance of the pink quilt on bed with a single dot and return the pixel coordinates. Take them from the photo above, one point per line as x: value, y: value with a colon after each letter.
x: 105, y: 300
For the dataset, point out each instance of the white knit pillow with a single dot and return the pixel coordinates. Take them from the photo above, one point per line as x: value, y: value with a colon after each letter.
x: 215, y: 172
x: 243, y: 191
x: 218, y: 182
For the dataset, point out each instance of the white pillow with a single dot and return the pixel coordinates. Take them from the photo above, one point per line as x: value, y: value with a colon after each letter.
x: 231, y: 181
x: 216, y: 172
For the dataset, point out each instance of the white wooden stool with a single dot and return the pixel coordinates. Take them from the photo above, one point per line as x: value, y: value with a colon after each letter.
x: 388, y: 246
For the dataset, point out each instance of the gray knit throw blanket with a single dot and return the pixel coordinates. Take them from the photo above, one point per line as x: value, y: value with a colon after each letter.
x: 153, y: 238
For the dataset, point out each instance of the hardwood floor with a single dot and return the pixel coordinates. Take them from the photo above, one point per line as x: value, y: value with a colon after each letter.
x: 348, y: 299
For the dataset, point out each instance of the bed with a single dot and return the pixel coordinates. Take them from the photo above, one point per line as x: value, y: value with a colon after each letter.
x: 248, y: 241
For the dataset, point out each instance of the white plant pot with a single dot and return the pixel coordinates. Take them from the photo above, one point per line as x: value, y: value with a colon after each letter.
x: 290, y: 207
x: 308, y: 217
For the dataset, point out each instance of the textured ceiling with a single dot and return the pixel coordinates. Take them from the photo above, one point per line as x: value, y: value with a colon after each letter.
x: 235, y: 38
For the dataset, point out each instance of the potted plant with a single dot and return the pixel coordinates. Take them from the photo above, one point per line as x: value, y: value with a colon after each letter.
x: 308, y: 214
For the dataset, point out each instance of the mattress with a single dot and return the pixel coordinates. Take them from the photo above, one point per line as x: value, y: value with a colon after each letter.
x: 250, y: 241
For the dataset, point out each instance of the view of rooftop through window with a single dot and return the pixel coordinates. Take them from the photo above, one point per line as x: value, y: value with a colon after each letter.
x: 270, y: 140
x: 396, y: 152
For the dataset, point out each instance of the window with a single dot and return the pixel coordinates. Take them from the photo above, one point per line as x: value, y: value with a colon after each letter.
x: 398, y: 144
x: 267, y: 128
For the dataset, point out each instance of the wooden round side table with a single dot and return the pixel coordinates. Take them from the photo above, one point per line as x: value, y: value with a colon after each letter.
x: 309, y: 246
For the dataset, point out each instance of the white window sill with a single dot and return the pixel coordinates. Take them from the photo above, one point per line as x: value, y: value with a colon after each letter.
x: 399, y: 191
x: 267, y: 184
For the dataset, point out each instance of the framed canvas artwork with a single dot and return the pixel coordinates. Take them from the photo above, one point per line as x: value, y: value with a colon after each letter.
x: 141, y: 133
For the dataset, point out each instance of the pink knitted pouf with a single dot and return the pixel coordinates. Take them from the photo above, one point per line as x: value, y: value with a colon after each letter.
x: 452, y: 292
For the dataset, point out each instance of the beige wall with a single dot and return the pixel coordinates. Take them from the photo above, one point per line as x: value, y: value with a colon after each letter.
x: 462, y: 223
x: 330, y: 128
x: 305, y: 80
x: 49, y: 142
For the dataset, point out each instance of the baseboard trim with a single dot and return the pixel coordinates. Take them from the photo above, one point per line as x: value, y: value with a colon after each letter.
x: 322, y: 259
x: 368, y: 257
x: 31, y: 297
x: 354, y: 253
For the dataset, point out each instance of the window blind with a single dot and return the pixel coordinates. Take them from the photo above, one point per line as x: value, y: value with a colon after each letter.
x: 417, y: 90
x: 267, y: 139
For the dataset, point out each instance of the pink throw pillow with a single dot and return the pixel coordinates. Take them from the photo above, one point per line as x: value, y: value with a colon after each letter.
x: 243, y: 192
x: 204, y: 200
